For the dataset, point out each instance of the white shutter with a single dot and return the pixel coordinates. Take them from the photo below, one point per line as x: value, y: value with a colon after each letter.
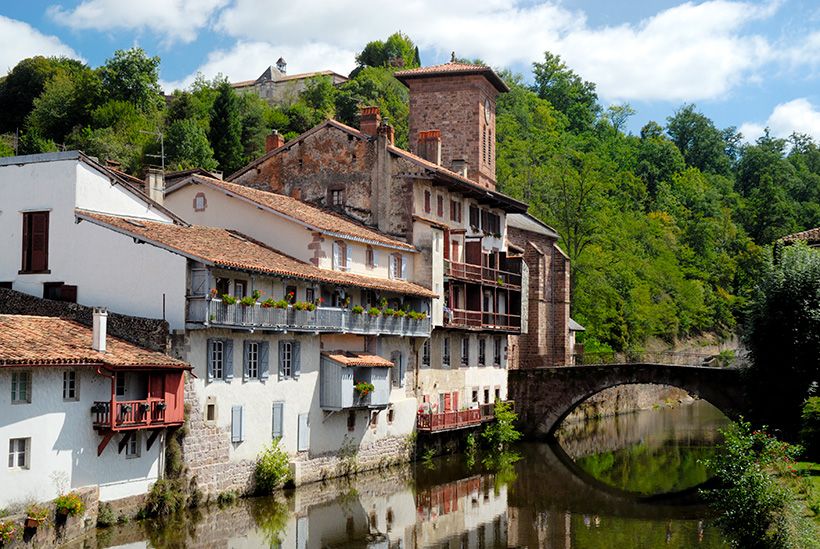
x: 403, y: 267
x: 348, y: 256
x: 278, y: 412
x: 237, y: 428
x: 337, y: 255
x: 304, y: 433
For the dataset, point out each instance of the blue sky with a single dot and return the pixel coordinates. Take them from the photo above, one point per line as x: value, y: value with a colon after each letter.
x: 749, y: 64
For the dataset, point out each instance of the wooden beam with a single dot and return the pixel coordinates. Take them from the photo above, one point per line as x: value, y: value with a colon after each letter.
x: 104, y: 442
x: 151, y: 439
x: 124, y: 441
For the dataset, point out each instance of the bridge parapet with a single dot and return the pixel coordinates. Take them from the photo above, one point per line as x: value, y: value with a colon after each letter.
x: 673, y: 358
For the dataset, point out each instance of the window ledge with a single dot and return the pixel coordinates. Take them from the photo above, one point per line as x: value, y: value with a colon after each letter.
x: 22, y: 272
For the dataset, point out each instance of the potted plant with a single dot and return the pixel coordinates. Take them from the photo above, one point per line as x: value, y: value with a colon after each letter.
x: 69, y: 505
x: 35, y: 515
x: 8, y: 531
x: 357, y: 309
x: 125, y: 409
x: 228, y: 299
x: 247, y: 301
x: 280, y: 304
x: 144, y: 407
x: 214, y: 293
x: 97, y: 408
x: 373, y: 311
x: 268, y: 303
x: 364, y: 388
x: 256, y: 294
x: 398, y: 313
x: 161, y: 405
x: 290, y: 297
x: 388, y: 312
x: 500, y: 281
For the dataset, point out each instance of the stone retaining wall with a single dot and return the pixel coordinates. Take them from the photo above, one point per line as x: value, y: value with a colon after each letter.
x: 56, y: 531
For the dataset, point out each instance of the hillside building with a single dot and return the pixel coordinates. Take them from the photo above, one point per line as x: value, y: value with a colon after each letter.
x: 277, y: 87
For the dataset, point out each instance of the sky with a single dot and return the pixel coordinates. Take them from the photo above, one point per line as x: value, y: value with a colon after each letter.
x: 748, y: 64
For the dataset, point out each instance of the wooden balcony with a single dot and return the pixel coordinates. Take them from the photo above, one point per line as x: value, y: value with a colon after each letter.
x: 213, y: 312
x: 450, y: 420
x: 462, y: 318
x: 482, y: 275
x: 134, y: 414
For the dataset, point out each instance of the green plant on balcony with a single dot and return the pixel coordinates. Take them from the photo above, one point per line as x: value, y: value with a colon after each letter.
x: 364, y: 388
x: 69, y: 505
x: 398, y: 313
x: 500, y: 281
x: 417, y: 315
x: 35, y: 515
x: 247, y: 301
x: 268, y: 303
x: 304, y: 306
x: 8, y: 531
x: 228, y: 299
x: 383, y: 303
x: 388, y: 311
x: 280, y: 304
x: 373, y: 311
x: 357, y: 309
x: 256, y: 294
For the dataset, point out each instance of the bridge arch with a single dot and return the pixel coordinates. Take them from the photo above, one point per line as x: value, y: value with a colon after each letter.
x: 545, y: 396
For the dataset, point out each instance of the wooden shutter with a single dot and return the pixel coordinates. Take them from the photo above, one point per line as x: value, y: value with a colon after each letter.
x: 448, y: 402
x: 402, y: 370
x: 403, y: 267
x: 348, y: 256
x: 199, y: 282
x: 237, y: 427
x: 264, y: 359
x: 39, y: 241
x: 246, y: 350
x: 304, y: 433
x: 227, y: 360
x: 209, y: 360
x: 296, y: 359
x: 278, y: 414
x: 281, y: 360
x: 455, y: 400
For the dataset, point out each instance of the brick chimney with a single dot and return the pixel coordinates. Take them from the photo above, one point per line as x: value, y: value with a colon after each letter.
x: 388, y: 131
x: 274, y: 140
x: 429, y: 146
x: 99, y: 328
x: 155, y: 184
x: 369, y: 120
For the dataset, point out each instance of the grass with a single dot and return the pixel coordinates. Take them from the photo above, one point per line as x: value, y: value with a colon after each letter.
x: 811, y: 473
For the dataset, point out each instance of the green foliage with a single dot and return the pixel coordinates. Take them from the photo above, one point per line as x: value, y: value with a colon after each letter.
x: 166, y: 497
x: 702, y: 145
x: 375, y: 86
x: 499, y: 434
x: 397, y: 52
x: 783, y: 336
x: 570, y: 95
x: 226, y: 129
x: 8, y: 531
x: 36, y: 512
x: 70, y: 504
x: 186, y: 146
x: 757, y: 503
x: 272, y: 469
x: 131, y: 76
x: 810, y: 428
x: 105, y: 516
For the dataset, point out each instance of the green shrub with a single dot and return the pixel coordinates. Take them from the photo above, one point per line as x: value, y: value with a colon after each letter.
x: 272, y: 469
x: 37, y: 512
x: 228, y: 299
x: 226, y: 498
x: 499, y: 434
x: 105, y: 516
x: 8, y: 531
x: 70, y: 504
x: 165, y: 498
x: 810, y: 428
x: 373, y: 311
x: 357, y: 309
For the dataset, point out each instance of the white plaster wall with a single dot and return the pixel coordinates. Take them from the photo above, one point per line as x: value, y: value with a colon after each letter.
x: 64, y: 443
x: 95, y: 192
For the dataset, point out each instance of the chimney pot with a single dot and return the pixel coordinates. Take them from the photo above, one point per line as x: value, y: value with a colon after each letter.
x: 369, y: 120
x: 429, y: 146
x: 99, y: 327
x: 155, y: 184
x: 387, y: 131
x: 460, y: 166
x: 274, y: 140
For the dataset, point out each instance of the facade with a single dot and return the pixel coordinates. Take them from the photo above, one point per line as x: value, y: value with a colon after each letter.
x: 277, y: 87
x: 52, y: 373
x: 442, y: 201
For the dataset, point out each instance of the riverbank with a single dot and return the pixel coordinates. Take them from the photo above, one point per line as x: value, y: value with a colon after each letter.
x: 811, y: 496
x: 626, y: 399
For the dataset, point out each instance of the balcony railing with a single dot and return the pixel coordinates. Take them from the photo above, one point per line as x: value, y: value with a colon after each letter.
x: 446, y: 421
x: 129, y: 413
x: 462, y: 318
x: 213, y: 312
x: 484, y: 275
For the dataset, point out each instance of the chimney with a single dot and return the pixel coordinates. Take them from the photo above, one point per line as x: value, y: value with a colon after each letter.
x: 99, y: 329
x: 429, y: 146
x: 388, y: 132
x: 460, y: 166
x: 369, y: 120
x: 274, y: 140
x: 155, y: 184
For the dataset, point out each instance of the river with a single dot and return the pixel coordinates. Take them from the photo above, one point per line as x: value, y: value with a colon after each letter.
x: 617, y: 482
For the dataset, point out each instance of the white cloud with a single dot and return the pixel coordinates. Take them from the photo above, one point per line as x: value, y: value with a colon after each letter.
x: 798, y: 115
x: 19, y: 40
x: 247, y: 60
x: 173, y: 20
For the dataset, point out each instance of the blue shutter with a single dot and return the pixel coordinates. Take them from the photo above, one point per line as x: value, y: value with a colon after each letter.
x: 209, y: 361
x: 264, y: 352
x: 278, y: 414
x: 304, y: 433
x: 296, y: 360
x: 237, y: 428
x: 245, y: 359
x: 402, y: 370
x: 227, y: 353
x: 281, y: 360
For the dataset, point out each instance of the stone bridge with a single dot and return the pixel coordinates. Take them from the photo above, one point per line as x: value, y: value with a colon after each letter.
x: 545, y: 396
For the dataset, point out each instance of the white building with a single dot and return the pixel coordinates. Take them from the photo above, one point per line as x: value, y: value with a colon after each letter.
x: 59, y: 382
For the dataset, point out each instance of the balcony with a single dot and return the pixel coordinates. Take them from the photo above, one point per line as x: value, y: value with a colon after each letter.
x: 134, y: 414
x: 462, y: 318
x: 482, y: 275
x: 462, y: 419
x: 338, y: 379
x: 213, y: 312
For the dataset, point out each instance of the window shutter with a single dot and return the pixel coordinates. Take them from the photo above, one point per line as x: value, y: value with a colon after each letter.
x: 209, y: 360
x: 39, y: 241
x: 278, y: 412
x: 403, y: 267
x: 304, y: 433
x: 297, y: 362
x: 227, y: 350
x: 237, y: 429
x: 375, y: 257
x: 281, y: 360
x: 402, y: 369
x: 26, y: 243
x: 337, y: 255
x: 245, y: 359
x: 264, y: 352
x: 348, y: 256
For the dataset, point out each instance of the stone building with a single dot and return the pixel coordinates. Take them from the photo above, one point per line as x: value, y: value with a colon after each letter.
x: 277, y: 87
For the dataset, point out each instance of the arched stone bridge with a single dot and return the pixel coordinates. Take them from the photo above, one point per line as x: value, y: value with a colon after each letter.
x: 545, y: 396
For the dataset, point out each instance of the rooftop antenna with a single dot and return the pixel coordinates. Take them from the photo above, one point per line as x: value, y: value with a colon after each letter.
x: 453, y: 57
x: 161, y: 156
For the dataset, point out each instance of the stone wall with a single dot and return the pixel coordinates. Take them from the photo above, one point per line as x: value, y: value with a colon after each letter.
x: 145, y: 332
x: 626, y: 399
x: 56, y: 531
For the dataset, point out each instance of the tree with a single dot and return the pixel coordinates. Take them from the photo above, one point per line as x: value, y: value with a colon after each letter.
x: 397, y: 52
x: 701, y: 143
x: 186, y: 146
x: 658, y: 158
x: 134, y: 77
x: 567, y: 92
x: 375, y: 86
x: 226, y: 129
x: 66, y: 102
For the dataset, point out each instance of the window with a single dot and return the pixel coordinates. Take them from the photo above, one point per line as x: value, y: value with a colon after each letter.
x: 498, y: 393
x: 210, y: 412
x: 475, y: 217
x: 474, y: 395
x: 251, y: 360
x: 19, y: 450
x: 310, y: 295
x: 374, y: 419
x: 120, y: 383
x: 200, y: 202
x: 486, y: 395
x: 465, y: 351
x: 391, y: 415
x: 482, y: 351
x: 440, y: 205
x: 369, y: 257
x: 239, y: 288
x: 398, y: 369
x: 59, y: 291
x: 445, y: 351
x: 35, y: 242
x: 303, y: 434
x: 278, y: 414
x: 455, y: 211
x: 427, y: 205
x: 341, y: 255
x: 497, y: 351
x: 425, y: 353
x: 70, y: 389
x: 133, y: 447
x: 351, y: 421
x: 397, y: 266
x: 20, y: 387
x: 289, y: 365
x: 217, y: 359
x: 290, y: 294
x: 336, y: 197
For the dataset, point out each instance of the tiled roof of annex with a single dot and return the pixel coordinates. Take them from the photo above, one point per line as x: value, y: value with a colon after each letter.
x: 232, y: 250
x: 349, y: 358
x: 453, y: 68
x: 812, y: 236
x: 308, y: 214
x: 49, y: 341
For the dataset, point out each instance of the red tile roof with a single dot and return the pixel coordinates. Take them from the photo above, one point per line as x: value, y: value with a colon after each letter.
x: 48, y: 340
x: 308, y: 214
x: 348, y: 358
x: 812, y: 236
x: 233, y: 250
x: 453, y: 68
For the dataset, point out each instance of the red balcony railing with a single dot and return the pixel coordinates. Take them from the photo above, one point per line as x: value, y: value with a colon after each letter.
x: 484, y: 275
x: 478, y: 319
x: 445, y: 421
x: 129, y: 413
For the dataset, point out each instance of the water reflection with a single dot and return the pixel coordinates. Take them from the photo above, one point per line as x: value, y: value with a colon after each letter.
x: 540, y: 501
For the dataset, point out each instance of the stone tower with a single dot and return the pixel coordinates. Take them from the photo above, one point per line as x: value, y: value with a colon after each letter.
x: 458, y: 100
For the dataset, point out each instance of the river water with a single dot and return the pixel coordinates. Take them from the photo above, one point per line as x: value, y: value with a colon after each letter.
x: 613, y: 483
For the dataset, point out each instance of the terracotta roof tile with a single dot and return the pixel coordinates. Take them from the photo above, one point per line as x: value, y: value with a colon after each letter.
x: 811, y: 236
x: 317, y: 218
x: 447, y: 69
x: 47, y: 340
x: 348, y: 358
x: 230, y: 249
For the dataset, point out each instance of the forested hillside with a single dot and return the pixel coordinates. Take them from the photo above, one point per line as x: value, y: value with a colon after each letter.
x: 666, y: 230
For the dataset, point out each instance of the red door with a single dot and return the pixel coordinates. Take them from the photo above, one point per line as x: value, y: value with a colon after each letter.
x: 448, y: 402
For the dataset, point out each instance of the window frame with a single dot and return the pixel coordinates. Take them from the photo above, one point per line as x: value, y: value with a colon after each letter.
x: 120, y: 387
x: 336, y: 197
x: 497, y: 351
x: 445, y: 351
x: 15, y: 453
x: 425, y: 353
x: 252, y: 366
x: 15, y: 387
x: 287, y: 360
x: 482, y: 351
x: 428, y: 201
x: 27, y: 265
x: 465, y: 350
x: 217, y: 358
x: 71, y: 386
x: 440, y: 205
x: 133, y: 450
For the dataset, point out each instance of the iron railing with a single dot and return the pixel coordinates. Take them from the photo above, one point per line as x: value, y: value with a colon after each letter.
x: 479, y: 319
x: 129, y: 413
x: 480, y: 274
